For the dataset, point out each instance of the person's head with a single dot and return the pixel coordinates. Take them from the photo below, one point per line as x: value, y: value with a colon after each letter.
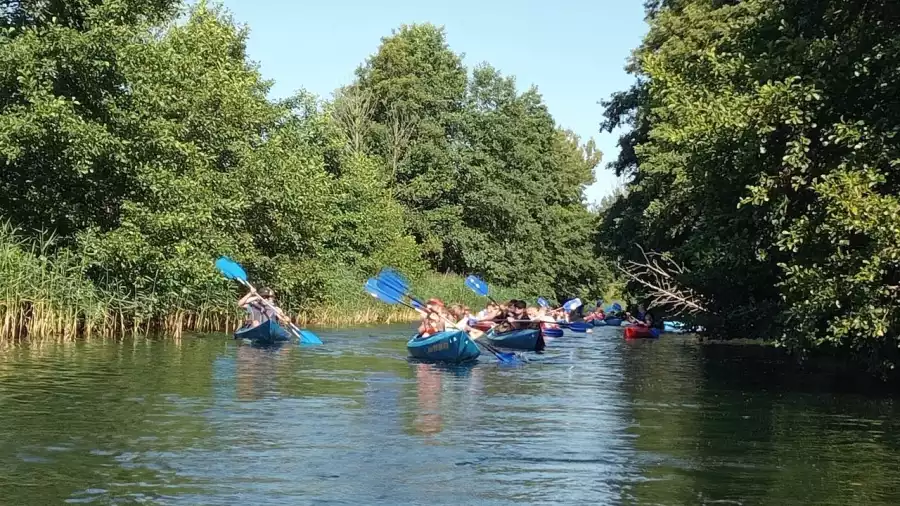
x: 641, y: 308
x: 492, y: 307
x: 266, y: 293
x: 517, y: 307
x: 435, y: 305
x: 648, y: 319
x: 457, y: 311
x: 532, y: 312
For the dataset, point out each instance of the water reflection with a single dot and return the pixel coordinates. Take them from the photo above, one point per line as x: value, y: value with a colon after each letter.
x: 594, y: 421
x: 257, y: 370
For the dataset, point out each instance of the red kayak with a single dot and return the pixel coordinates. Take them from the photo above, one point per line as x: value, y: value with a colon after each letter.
x: 641, y: 332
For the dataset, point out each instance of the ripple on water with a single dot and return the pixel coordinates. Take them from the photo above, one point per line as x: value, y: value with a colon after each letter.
x: 594, y: 420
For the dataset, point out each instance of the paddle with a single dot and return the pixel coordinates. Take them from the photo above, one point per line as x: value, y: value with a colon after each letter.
x: 480, y: 287
x: 578, y: 326
x: 394, y: 282
x: 552, y: 332
x: 232, y: 270
x: 385, y: 292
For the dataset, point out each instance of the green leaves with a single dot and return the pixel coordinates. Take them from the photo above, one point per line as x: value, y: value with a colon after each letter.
x: 760, y: 147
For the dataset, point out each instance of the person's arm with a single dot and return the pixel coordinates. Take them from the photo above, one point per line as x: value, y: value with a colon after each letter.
x: 251, y: 296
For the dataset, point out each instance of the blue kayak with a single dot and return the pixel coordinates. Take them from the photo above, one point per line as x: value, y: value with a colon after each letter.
x: 522, y: 339
x: 267, y: 332
x: 599, y: 323
x: 447, y: 346
x: 613, y: 322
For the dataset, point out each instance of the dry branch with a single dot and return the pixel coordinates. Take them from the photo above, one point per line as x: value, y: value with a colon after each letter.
x: 658, y: 274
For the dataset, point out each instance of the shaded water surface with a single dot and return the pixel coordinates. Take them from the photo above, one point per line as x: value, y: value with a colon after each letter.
x: 595, y: 420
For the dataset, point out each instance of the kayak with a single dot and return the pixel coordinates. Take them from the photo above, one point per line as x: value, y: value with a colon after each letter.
x: 523, y: 339
x: 267, y: 332
x: 641, y: 332
x: 600, y: 323
x: 674, y: 327
x: 448, y: 346
x: 613, y: 322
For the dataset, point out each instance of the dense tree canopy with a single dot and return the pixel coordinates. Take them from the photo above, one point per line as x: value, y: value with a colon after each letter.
x: 762, y: 151
x: 141, y: 134
x: 491, y: 184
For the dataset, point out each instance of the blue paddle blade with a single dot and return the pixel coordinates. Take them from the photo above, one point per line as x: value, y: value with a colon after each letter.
x: 572, y: 305
x: 543, y: 302
x: 231, y: 269
x: 476, y: 285
x: 616, y: 307
x: 553, y: 332
x: 307, y: 337
x: 391, y: 290
x: 373, y: 289
x: 507, y: 358
x: 393, y: 278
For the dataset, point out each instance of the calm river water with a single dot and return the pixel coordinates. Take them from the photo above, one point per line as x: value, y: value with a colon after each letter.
x: 597, y: 420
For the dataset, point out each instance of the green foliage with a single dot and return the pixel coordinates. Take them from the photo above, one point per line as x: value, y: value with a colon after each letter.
x: 490, y: 183
x: 147, y: 144
x: 763, y: 153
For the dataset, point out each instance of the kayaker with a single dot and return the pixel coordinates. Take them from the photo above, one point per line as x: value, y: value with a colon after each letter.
x: 518, y: 318
x: 460, y: 315
x: 258, y: 311
x: 639, y: 317
x: 432, y: 322
x: 489, y: 312
x: 540, y: 315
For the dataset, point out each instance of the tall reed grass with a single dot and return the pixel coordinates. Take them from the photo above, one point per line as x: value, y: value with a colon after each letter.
x: 46, y: 295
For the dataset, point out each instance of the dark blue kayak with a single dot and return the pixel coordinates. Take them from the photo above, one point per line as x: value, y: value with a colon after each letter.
x: 267, y: 332
x: 448, y: 346
x: 523, y: 339
x: 613, y: 322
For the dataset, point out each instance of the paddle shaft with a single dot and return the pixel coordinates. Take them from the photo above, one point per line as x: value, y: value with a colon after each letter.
x: 274, y: 310
x: 453, y: 324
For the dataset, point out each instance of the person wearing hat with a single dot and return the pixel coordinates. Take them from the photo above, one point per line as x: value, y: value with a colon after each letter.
x: 258, y: 311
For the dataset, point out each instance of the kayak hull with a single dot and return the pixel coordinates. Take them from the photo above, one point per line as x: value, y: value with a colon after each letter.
x: 613, y: 322
x: 268, y: 332
x: 449, y: 346
x: 523, y: 339
x: 641, y: 332
x: 599, y: 323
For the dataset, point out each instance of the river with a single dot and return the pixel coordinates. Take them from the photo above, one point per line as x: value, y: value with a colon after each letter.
x: 595, y: 420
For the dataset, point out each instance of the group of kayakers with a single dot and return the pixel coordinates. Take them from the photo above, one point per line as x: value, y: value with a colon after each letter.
x: 640, y: 317
x: 515, y: 314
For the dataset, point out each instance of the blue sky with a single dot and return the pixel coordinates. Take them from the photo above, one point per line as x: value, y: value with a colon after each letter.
x: 573, y: 50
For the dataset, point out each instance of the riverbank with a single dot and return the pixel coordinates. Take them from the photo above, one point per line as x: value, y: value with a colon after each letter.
x: 50, y: 296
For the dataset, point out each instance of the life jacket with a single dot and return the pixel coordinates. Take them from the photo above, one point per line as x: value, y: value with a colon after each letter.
x: 259, y: 312
x: 432, y: 327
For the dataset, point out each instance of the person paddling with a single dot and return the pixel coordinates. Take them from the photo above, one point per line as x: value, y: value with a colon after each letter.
x: 258, y: 311
x: 432, y: 321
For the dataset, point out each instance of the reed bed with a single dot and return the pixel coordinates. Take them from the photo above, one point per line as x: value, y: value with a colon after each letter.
x: 49, y: 297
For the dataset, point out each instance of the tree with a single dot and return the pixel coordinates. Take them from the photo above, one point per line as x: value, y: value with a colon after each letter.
x: 763, y: 154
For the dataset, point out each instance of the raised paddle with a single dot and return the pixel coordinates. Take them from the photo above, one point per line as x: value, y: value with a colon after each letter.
x: 396, y: 285
x: 480, y: 287
x: 232, y: 270
x: 387, y: 293
x: 543, y: 302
